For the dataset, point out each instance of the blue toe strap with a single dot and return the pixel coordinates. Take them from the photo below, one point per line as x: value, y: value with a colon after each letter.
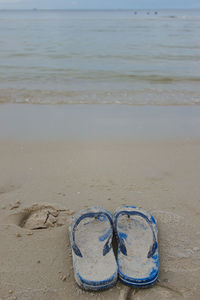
x: 121, y: 240
x: 108, y: 243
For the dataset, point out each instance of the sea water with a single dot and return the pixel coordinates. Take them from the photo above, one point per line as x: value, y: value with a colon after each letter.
x: 125, y: 57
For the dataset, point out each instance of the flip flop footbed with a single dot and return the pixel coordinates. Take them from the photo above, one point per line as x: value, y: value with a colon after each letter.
x: 93, y: 269
x: 136, y: 235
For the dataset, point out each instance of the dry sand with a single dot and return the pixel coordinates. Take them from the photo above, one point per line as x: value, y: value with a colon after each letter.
x: 42, y: 183
x: 60, y: 159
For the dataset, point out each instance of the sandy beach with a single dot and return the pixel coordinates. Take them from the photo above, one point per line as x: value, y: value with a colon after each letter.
x: 99, y: 105
x: 54, y: 178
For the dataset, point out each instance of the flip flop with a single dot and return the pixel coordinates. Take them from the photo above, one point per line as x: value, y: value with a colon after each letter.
x: 91, y: 232
x: 136, y: 232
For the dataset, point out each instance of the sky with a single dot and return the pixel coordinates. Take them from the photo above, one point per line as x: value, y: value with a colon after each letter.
x: 99, y: 4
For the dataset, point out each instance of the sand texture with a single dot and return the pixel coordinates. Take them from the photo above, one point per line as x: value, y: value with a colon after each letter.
x: 43, y: 183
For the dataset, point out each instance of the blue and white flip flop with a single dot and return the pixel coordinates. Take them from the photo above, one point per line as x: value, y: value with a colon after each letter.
x: 137, y: 259
x: 91, y: 232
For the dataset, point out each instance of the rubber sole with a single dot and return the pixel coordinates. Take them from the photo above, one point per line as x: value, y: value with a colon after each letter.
x: 137, y: 284
x: 96, y: 286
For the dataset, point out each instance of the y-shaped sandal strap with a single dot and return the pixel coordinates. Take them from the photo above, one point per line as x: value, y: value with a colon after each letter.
x: 120, y: 238
x: 108, y: 243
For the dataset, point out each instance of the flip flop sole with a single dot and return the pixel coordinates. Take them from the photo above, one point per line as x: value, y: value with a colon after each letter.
x: 138, y: 260
x: 91, y: 232
x: 135, y: 283
x: 102, y: 285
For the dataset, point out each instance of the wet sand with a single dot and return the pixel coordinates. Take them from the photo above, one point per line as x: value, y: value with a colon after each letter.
x: 53, y: 177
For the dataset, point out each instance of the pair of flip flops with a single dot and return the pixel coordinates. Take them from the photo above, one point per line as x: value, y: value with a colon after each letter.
x: 95, y: 266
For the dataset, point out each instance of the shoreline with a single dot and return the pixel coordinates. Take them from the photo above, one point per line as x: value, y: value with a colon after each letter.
x: 99, y: 122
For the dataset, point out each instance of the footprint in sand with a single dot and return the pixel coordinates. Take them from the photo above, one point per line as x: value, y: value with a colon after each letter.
x: 40, y: 217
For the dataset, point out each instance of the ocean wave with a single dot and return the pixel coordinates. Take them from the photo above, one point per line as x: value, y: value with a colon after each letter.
x: 161, y: 79
x: 63, y: 76
x: 146, y: 96
x: 107, y: 57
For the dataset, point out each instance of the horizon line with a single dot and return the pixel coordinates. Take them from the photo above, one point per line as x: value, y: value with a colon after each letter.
x: 100, y: 9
